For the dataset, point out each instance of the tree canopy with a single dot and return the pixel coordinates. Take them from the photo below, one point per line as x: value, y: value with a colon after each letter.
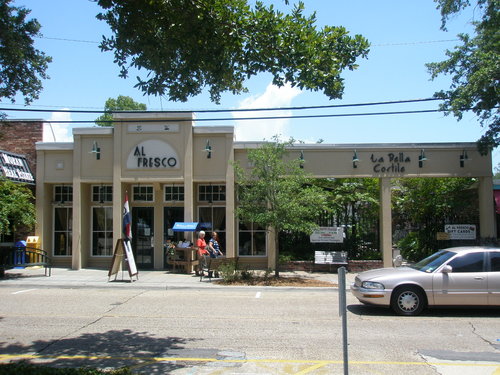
x: 122, y: 103
x: 22, y: 67
x: 17, y: 208
x: 276, y: 193
x: 474, y: 67
x: 424, y: 205
x: 186, y: 46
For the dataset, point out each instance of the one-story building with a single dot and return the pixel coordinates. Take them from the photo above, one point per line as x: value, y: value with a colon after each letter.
x: 173, y: 171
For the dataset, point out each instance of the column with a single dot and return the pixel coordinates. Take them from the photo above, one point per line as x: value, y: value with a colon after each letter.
x: 76, y: 260
x: 486, y: 208
x: 231, y: 227
x: 385, y: 221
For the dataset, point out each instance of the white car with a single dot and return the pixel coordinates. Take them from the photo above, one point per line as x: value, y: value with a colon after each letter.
x: 461, y: 276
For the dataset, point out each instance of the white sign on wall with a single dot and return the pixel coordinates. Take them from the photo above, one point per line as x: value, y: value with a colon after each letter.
x: 153, y: 128
x: 328, y: 235
x: 461, y: 231
x: 153, y: 154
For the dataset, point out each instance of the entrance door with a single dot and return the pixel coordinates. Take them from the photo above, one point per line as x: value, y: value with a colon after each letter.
x: 143, y: 236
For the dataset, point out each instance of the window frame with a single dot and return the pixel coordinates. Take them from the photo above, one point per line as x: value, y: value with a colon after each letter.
x: 68, y: 251
x: 107, y: 194
x: 209, y: 195
x: 252, y: 231
x: 65, y: 195
x: 176, y: 191
x: 150, y: 193
x: 105, y: 231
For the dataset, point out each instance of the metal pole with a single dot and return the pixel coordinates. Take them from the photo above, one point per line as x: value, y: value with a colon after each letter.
x: 343, y: 314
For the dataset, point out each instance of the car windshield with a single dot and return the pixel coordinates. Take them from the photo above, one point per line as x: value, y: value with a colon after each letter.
x: 432, y: 262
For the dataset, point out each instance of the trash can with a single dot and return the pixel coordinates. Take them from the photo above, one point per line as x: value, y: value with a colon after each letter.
x: 33, y: 245
x: 19, y: 254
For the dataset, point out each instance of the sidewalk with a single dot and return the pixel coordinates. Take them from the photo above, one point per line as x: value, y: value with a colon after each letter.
x: 98, y: 278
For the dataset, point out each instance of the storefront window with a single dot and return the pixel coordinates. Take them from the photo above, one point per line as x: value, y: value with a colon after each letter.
x: 251, y: 240
x: 63, y: 231
x: 213, y: 218
x: 102, y: 231
x: 143, y: 193
x: 212, y: 193
x: 63, y: 193
x: 102, y: 193
x: 174, y: 193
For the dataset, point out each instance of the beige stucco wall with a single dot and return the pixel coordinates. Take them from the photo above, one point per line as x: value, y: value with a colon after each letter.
x: 74, y: 163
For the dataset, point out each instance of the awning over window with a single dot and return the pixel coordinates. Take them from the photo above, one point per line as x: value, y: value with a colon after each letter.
x: 185, y: 227
x: 497, y: 200
x: 15, y: 167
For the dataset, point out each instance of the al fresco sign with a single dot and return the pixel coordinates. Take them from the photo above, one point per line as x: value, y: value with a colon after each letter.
x: 152, y: 154
x: 392, y: 162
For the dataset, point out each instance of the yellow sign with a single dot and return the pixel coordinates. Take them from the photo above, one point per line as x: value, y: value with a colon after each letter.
x: 443, y: 236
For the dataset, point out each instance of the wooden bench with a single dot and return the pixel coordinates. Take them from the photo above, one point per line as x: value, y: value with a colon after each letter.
x: 12, y: 257
x: 338, y: 258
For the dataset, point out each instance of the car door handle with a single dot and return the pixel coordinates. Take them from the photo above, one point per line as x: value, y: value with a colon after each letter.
x: 478, y: 278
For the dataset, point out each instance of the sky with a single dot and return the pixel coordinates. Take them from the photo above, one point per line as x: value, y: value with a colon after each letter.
x: 404, y: 36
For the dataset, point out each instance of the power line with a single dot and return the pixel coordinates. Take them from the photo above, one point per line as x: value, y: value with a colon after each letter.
x: 230, y: 110
x: 246, y: 118
x: 373, y: 45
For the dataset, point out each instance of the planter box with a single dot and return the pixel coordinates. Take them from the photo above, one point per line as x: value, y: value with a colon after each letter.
x: 354, y: 266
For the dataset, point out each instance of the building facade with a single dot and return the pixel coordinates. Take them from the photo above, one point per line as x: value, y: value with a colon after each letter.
x: 172, y: 171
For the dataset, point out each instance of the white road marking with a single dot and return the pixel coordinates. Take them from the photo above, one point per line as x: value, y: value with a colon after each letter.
x: 257, y: 295
x: 23, y: 291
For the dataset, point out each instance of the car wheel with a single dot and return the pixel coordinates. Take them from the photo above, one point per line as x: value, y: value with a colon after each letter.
x: 408, y: 300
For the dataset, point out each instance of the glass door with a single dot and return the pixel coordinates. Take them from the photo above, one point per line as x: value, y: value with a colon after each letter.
x: 143, y: 236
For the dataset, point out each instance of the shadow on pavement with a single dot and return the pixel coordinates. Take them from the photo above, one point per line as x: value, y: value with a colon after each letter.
x: 437, y: 312
x: 111, y: 349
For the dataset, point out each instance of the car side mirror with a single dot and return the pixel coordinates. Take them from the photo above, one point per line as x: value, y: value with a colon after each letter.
x: 447, y: 269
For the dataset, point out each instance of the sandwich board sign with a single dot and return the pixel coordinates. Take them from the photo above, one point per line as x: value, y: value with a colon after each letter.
x: 123, y: 251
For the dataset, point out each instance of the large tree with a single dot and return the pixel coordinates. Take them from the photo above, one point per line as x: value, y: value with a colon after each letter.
x: 422, y: 206
x: 474, y: 67
x: 188, y: 45
x: 16, y: 208
x: 122, y: 103
x: 22, y: 66
x: 276, y: 193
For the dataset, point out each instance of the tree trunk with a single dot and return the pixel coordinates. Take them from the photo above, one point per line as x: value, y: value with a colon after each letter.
x: 276, y: 254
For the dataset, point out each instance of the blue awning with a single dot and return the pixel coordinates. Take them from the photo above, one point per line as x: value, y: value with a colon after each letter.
x: 185, y: 227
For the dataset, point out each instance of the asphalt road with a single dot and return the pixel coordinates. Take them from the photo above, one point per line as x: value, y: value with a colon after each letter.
x: 233, y: 330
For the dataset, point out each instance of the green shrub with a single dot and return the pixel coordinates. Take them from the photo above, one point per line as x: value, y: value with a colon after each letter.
x: 228, y: 271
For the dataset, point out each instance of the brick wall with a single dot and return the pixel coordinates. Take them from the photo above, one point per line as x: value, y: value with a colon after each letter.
x: 354, y: 266
x: 19, y: 137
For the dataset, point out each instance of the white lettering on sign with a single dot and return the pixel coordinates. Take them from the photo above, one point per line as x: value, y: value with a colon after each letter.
x: 12, y: 160
x: 153, y: 154
x: 17, y: 174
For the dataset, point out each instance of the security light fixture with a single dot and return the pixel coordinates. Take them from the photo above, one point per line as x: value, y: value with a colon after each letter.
x: 208, y: 149
x: 301, y: 160
x: 463, y: 158
x: 96, y: 150
x: 421, y: 159
x: 355, y: 160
